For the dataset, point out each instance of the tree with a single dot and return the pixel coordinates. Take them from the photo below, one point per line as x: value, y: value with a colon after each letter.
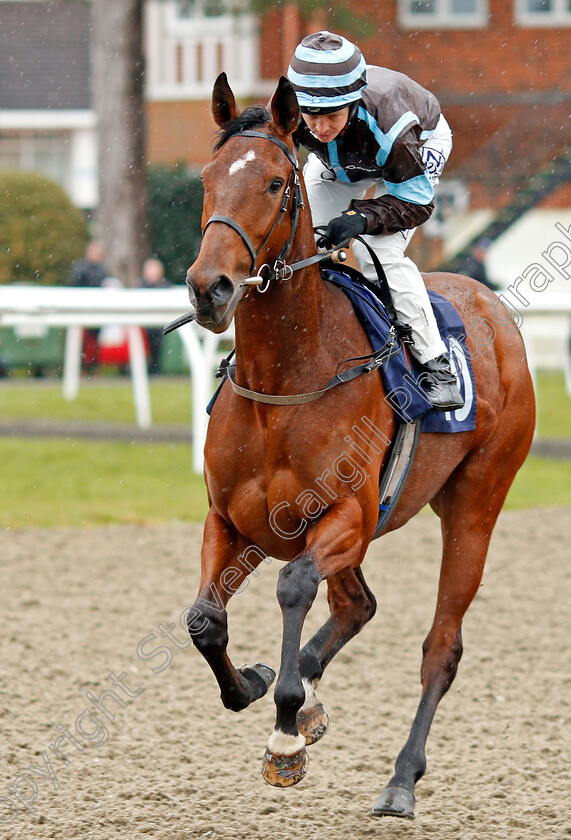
x: 175, y: 209
x: 117, y: 87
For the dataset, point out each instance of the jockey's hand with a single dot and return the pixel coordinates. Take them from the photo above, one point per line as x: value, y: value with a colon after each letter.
x: 342, y: 228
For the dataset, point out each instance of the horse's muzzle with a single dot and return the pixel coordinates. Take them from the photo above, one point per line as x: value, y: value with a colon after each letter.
x: 212, y: 302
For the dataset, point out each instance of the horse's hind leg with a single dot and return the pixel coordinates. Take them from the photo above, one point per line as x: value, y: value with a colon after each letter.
x: 227, y: 559
x: 462, y: 566
x: 352, y: 604
x: 468, y: 507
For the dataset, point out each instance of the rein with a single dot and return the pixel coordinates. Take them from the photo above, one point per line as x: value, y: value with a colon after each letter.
x: 281, y: 270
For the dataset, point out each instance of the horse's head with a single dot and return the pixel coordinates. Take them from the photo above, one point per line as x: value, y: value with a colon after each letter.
x: 249, y: 188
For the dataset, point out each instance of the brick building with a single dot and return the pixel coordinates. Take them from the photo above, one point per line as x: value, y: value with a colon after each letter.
x: 500, y: 68
x: 46, y: 121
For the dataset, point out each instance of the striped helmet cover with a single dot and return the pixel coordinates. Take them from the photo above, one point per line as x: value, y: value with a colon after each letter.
x: 327, y: 72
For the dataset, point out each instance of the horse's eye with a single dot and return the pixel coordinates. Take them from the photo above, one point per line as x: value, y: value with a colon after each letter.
x: 276, y: 185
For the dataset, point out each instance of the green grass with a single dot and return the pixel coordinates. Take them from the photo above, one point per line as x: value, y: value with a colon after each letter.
x: 73, y: 483
x: 102, y: 400
x: 541, y: 482
x: 77, y: 483
x: 554, y: 406
x: 110, y: 400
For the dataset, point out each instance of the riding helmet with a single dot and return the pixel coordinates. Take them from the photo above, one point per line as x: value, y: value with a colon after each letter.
x: 327, y: 72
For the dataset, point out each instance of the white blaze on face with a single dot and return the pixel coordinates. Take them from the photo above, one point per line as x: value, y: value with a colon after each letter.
x: 241, y: 162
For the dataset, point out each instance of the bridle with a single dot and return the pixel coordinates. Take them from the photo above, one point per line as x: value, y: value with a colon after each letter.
x: 279, y: 269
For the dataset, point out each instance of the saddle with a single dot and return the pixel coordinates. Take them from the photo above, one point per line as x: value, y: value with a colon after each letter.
x: 413, y: 411
x: 400, y: 371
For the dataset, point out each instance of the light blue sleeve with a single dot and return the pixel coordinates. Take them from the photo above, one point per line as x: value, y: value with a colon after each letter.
x: 417, y: 190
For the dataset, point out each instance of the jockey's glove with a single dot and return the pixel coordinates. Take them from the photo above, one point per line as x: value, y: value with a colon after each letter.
x: 342, y: 228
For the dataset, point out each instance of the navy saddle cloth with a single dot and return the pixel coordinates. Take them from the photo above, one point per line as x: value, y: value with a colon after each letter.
x: 399, y: 373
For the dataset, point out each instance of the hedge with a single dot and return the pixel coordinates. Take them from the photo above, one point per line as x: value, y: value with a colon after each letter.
x: 41, y: 231
x: 175, y: 209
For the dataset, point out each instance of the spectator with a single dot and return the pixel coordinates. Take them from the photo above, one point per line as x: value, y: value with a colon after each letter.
x: 475, y: 266
x: 153, y: 277
x: 89, y: 272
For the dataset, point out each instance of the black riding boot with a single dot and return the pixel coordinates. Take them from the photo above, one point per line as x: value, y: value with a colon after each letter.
x: 439, y: 384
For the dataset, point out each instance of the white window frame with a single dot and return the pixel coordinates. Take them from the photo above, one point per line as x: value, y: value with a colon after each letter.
x: 185, y: 55
x: 560, y: 15
x: 443, y: 17
x: 199, y: 12
x: 80, y: 178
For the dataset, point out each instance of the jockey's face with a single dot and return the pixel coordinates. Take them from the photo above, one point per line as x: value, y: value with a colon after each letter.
x: 326, y: 127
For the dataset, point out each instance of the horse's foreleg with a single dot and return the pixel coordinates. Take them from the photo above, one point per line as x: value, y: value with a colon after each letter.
x: 285, y: 759
x: 333, y: 544
x: 227, y: 559
x: 352, y: 605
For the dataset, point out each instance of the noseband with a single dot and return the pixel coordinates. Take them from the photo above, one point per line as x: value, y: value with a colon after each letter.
x: 278, y: 269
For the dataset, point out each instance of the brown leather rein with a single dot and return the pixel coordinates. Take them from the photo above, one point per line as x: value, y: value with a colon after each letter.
x: 281, y: 270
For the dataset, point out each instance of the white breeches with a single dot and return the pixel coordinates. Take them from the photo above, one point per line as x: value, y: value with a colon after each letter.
x: 328, y: 197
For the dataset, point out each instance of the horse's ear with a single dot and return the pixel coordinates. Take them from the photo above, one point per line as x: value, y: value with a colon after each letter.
x: 224, y: 108
x: 285, y: 110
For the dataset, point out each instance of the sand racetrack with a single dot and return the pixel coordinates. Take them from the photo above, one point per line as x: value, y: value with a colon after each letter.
x: 173, y: 764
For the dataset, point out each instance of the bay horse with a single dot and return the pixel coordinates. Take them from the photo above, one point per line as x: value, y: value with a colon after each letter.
x: 267, y: 451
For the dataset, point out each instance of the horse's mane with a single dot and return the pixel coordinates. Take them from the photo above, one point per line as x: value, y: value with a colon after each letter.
x: 252, y: 117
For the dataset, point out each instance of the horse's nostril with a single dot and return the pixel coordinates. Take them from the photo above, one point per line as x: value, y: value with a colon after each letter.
x: 190, y: 283
x: 221, y: 290
x: 206, y: 294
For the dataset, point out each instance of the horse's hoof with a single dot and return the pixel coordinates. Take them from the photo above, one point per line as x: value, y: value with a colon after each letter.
x: 394, y: 802
x: 312, y: 723
x: 260, y: 677
x: 285, y: 770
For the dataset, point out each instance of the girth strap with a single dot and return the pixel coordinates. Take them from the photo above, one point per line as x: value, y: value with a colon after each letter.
x: 393, y: 478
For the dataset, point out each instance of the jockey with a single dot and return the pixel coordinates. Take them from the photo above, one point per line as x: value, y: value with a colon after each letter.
x: 364, y: 127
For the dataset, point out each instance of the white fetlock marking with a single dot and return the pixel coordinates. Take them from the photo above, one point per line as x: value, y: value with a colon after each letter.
x: 280, y: 743
x: 310, y: 696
